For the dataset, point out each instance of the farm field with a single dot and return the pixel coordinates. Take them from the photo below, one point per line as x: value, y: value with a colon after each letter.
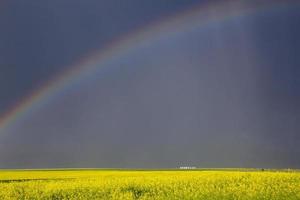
x: 149, y: 184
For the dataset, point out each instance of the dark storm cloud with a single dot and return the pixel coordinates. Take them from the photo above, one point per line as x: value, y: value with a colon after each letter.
x: 222, y: 95
x: 279, y: 51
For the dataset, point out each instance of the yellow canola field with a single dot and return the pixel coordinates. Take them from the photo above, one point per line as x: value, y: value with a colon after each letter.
x: 151, y: 185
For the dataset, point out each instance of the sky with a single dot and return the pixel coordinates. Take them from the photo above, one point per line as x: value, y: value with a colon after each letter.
x: 205, y: 90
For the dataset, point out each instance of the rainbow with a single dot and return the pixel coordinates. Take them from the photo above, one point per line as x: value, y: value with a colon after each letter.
x: 199, y: 15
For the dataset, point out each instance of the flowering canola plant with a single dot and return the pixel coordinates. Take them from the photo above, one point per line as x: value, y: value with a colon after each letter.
x: 149, y: 185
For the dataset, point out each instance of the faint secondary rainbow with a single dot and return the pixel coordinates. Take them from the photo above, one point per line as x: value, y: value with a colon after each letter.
x: 203, y: 14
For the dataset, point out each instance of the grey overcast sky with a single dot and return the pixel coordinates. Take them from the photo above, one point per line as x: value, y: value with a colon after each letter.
x: 224, y: 94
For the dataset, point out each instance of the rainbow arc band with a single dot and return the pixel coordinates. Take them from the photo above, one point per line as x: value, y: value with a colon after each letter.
x: 200, y: 15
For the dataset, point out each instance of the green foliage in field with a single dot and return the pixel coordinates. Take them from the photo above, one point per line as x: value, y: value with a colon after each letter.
x: 138, y: 185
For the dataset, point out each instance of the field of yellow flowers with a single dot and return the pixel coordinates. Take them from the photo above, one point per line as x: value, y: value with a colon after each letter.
x: 146, y: 184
